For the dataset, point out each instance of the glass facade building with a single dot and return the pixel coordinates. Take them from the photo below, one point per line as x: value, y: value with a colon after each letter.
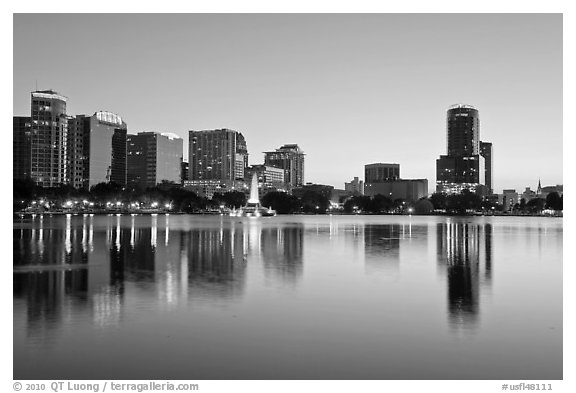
x: 48, y: 139
x: 97, y: 151
x: 468, y: 162
x: 21, y: 147
x: 217, y: 155
x: 154, y: 158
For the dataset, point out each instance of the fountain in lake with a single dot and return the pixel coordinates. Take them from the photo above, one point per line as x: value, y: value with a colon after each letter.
x: 253, y: 208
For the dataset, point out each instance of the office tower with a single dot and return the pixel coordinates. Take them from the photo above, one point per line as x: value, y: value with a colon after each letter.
x: 21, y: 148
x: 48, y: 138
x: 118, y: 164
x: 219, y: 155
x: 464, y: 166
x: 463, y: 131
x: 154, y: 158
x: 487, y: 152
x: 375, y: 173
x: 76, y: 157
x: 356, y: 186
x: 290, y: 158
x: 184, y: 172
x: 99, y: 150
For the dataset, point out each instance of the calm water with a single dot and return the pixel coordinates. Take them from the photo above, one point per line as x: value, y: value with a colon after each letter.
x: 316, y: 297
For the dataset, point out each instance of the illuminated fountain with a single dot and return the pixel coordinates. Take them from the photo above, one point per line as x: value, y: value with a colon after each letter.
x: 253, y: 208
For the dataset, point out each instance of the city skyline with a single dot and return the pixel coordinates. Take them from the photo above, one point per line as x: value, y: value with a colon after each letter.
x: 318, y: 85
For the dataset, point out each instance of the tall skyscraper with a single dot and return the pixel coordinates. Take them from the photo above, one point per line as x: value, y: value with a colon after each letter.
x: 97, y: 152
x: 154, y: 158
x: 77, y: 157
x: 217, y: 155
x: 463, y: 131
x: 48, y: 138
x: 487, y: 152
x: 290, y: 158
x: 21, y: 148
x: 463, y: 167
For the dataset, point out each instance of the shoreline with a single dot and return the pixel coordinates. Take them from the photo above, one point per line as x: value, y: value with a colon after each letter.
x: 209, y: 213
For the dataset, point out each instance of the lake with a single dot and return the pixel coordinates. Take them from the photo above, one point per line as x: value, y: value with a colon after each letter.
x: 288, y: 297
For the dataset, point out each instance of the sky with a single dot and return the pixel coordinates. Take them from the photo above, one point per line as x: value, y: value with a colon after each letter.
x: 349, y: 89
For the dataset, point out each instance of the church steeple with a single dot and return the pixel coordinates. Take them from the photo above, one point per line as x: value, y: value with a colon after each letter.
x: 539, y: 190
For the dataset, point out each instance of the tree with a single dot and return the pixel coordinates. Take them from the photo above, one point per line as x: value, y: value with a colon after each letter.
x: 361, y: 203
x: 535, y: 205
x: 380, y: 204
x: 314, y: 202
x: 23, y: 189
x: 461, y: 203
x: 554, y: 201
x: 231, y: 199
x: 281, y: 202
x: 106, y: 191
x: 522, y: 205
x: 438, y: 200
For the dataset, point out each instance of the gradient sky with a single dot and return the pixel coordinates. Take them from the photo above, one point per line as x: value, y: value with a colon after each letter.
x: 350, y: 89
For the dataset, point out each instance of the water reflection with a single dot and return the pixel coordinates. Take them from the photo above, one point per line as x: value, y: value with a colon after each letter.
x: 147, y: 296
x: 282, y: 252
x: 465, y: 249
x: 382, y: 247
x: 60, y: 261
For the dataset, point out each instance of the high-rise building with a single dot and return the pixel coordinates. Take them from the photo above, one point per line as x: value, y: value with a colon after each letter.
x: 77, y: 157
x: 463, y: 131
x: 98, y: 149
x: 290, y: 158
x: 269, y: 178
x: 487, y: 152
x: 464, y: 166
x: 48, y: 138
x: 154, y: 158
x: 379, y: 172
x: 21, y: 160
x: 184, y: 172
x: 118, y: 164
x: 217, y: 155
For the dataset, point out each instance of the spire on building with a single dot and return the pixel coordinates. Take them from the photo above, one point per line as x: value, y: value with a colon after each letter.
x: 539, y: 189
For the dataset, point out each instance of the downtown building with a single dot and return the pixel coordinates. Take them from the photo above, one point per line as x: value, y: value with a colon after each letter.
x: 21, y: 147
x: 355, y: 187
x: 217, y: 160
x: 384, y: 179
x: 154, y: 158
x: 290, y: 158
x: 269, y: 178
x: 97, y: 151
x: 468, y: 162
x: 48, y: 142
x: 52, y: 148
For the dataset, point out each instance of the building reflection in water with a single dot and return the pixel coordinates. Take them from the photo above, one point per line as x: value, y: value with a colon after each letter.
x: 281, y: 251
x: 382, y: 247
x: 50, y: 272
x: 465, y: 250
x: 77, y: 265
